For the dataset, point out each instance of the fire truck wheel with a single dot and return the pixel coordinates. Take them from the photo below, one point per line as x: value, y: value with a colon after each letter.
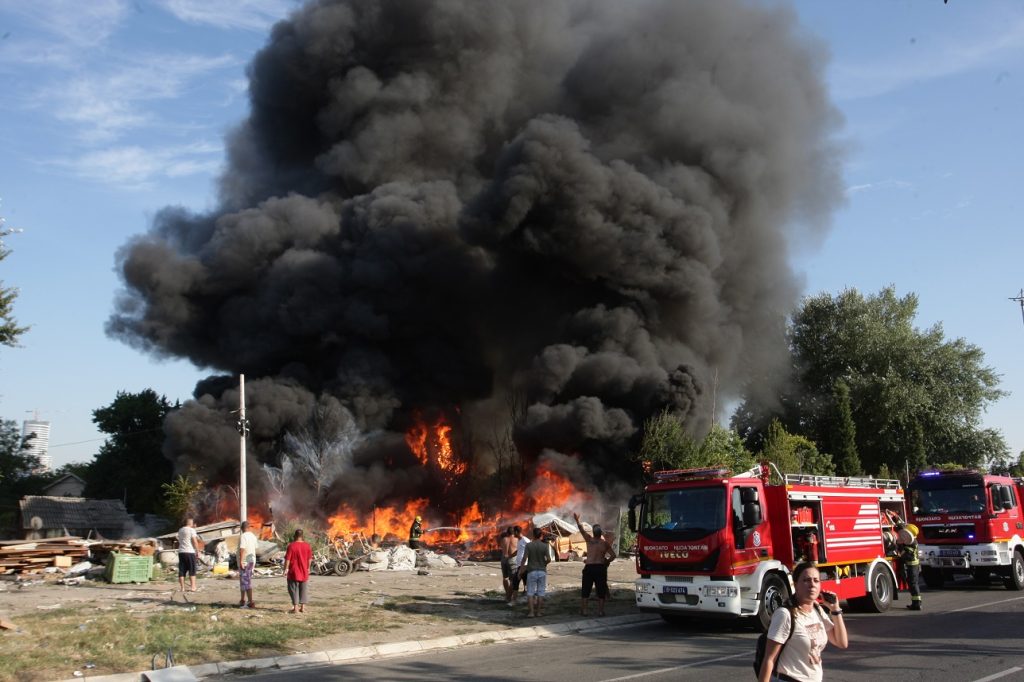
x: 343, y: 567
x: 883, y: 588
x: 1015, y: 580
x: 773, y: 594
x: 933, y: 578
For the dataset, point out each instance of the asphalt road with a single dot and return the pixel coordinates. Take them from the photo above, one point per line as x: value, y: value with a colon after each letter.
x: 966, y: 633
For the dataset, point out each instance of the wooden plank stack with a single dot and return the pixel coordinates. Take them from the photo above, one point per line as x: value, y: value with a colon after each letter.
x: 32, y: 556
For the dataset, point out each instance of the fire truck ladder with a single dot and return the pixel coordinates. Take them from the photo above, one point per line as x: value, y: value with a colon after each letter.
x: 841, y: 481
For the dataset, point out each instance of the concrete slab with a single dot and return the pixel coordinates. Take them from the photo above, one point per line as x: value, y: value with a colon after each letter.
x: 251, y: 664
x: 317, y: 658
x: 204, y: 670
x: 178, y: 673
x: 394, y: 648
x: 355, y: 653
x: 442, y: 643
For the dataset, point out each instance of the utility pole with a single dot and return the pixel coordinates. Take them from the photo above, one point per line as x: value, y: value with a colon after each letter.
x: 243, y: 430
x: 1020, y: 299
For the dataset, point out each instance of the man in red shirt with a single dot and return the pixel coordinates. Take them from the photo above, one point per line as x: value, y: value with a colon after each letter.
x: 296, y: 569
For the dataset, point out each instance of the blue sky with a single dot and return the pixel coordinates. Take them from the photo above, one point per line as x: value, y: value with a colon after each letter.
x: 113, y: 109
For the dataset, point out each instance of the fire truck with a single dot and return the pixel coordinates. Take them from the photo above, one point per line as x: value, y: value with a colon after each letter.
x: 711, y: 544
x: 968, y: 522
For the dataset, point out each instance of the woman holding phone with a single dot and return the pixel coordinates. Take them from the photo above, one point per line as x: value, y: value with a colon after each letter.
x: 798, y: 634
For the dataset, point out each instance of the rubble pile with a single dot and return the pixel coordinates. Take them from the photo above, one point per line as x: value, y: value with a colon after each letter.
x: 34, y: 556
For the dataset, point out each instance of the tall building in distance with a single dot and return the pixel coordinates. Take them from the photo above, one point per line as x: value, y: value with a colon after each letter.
x: 39, y: 446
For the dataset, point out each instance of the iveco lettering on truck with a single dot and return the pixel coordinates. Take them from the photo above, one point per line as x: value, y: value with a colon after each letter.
x: 713, y: 544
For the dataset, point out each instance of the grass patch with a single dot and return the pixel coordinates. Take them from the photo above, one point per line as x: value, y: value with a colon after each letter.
x: 121, y: 638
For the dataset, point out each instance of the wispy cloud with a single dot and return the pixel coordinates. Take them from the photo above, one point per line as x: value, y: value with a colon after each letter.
x: 105, y: 106
x: 78, y: 24
x: 882, y: 184
x: 251, y: 15
x: 917, y: 65
x: 134, y: 167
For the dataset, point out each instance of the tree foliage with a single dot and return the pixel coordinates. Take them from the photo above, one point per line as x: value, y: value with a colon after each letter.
x: 180, y: 496
x: 9, y: 329
x: 794, y: 454
x: 911, y: 391
x: 130, y: 464
x: 667, y: 445
x: 18, y: 473
x: 844, y: 434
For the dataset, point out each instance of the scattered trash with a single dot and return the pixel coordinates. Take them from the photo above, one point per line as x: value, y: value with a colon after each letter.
x: 422, y: 571
x: 213, y: 618
x: 48, y: 606
x: 6, y: 624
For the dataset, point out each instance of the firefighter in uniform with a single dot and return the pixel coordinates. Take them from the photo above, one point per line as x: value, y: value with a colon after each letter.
x: 910, y: 561
x: 415, y: 533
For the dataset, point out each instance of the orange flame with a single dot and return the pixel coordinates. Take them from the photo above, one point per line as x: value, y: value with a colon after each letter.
x: 433, y: 443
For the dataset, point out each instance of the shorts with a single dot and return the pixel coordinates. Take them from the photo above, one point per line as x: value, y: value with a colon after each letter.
x: 297, y: 591
x: 186, y: 564
x: 245, y: 575
x: 595, y: 575
x: 516, y: 578
x: 536, y: 583
x: 507, y: 568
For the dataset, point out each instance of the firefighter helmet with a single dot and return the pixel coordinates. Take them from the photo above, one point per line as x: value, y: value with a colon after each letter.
x: 913, y: 529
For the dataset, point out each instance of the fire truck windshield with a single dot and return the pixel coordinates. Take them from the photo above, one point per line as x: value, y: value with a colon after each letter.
x: 956, y: 500
x: 683, y: 514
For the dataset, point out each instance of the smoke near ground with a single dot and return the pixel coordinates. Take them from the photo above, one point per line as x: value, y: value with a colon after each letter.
x: 439, y: 204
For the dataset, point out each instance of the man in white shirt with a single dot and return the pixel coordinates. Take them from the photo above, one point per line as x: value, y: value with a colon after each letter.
x: 246, y: 564
x: 188, y: 545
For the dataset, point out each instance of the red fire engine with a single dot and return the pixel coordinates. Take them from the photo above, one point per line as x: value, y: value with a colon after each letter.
x: 968, y: 522
x: 713, y: 544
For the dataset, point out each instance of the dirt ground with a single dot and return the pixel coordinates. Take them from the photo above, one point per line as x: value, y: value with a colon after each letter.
x: 398, y: 605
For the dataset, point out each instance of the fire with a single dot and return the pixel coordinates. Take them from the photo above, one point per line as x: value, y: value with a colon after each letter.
x: 383, y: 521
x: 550, y: 490
x: 433, y: 443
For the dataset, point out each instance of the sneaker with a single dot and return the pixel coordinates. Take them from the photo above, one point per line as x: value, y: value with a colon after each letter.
x: 243, y: 606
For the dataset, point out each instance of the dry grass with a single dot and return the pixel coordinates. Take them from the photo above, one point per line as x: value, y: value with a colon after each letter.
x: 139, y: 628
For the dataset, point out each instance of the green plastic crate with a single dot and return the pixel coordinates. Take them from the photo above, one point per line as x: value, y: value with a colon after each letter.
x: 125, y: 568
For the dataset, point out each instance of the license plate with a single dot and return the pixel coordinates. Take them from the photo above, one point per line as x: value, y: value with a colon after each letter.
x: 949, y: 552
x: 674, y: 589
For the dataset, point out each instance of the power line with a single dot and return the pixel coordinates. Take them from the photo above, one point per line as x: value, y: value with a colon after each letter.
x: 113, y: 435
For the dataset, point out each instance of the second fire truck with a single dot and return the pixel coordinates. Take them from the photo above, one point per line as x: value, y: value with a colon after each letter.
x: 711, y: 544
x: 969, y: 522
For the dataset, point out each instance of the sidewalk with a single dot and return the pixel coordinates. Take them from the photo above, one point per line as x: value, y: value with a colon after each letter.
x: 377, y: 652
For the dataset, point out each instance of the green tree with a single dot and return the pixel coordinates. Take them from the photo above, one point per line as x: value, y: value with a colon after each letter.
x: 9, y: 329
x: 180, y: 496
x: 667, y: 445
x: 130, y: 464
x: 844, y: 441
x: 899, y: 377
x: 17, y: 473
x: 724, y: 446
x: 794, y: 454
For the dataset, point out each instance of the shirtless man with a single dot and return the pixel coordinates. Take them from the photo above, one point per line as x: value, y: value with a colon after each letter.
x: 507, y: 546
x: 595, y: 567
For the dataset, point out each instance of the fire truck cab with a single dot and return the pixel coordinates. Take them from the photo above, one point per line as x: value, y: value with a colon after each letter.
x: 711, y: 544
x: 969, y: 522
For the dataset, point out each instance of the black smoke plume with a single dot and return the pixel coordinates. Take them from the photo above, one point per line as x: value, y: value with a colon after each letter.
x: 438, y: 205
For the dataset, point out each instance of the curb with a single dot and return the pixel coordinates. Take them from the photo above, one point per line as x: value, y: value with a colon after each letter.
x: 368, y: 653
